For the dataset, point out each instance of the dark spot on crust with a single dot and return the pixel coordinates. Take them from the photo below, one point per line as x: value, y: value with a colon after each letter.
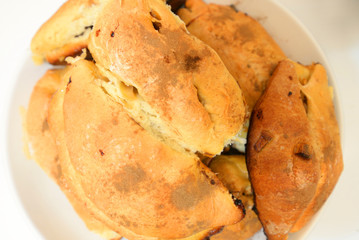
x: 79, y: 35
x: 129, y: 178
x: 191, y: 62
x: 157, y: 26
x: 98, y: 32
x: 83, y: 33
x: 68, y: 85
x: 190, y: 192
x: 259, y: 52
x: 166, y: 59
x: 58, y: 171
x: 112, y: 34
x: 213, y: 182
x: 262, y: 141
x: 304, y: 101
x: 290, y: 78
x: 45, y: 125
x: 125, y: 222
x: 304, y: 151
x: 239, y: 204
x: 101, y: 152
x: 290, y: 94
x: 89, y: 56
x: 244, y: 33
x: 213, y: 232
x: 259, y: 114
x: 329, y: 152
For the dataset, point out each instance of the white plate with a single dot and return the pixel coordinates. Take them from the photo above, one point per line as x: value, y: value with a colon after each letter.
x: 44, y: 203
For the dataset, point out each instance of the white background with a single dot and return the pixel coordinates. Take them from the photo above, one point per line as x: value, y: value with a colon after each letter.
x: 333, y: 23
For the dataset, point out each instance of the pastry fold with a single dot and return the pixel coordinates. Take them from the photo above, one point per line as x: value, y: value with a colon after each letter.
x: 170, y: 82
x: 245, y: 47
x: 45, y: 150
x: 294, y: 154
x: 183, y: 92
x: 127, y: 179
x: 66, y: 32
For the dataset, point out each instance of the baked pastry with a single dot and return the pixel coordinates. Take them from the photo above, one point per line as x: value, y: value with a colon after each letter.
x: 131, y: 181
x: 42, y: 144
x: 179, y: 92
x: 247, y: 50
x: 44, y: 149
x: 175, y: 86
x: 127, y: 123
x: 132, y: 124
x: 293, y: 155
x: 66, y: 32
x: 321, y: 115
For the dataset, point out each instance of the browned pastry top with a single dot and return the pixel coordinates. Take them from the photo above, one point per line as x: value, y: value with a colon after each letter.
x: 288, y: 161
x: 183, y: 92
x: 110, y: 162
x: 247, y: 50
x: 66, y: 32
x: 123, y: 134
x: 44, y: 148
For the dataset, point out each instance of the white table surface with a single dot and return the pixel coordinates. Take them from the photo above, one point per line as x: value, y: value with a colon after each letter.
x: 333, y: 23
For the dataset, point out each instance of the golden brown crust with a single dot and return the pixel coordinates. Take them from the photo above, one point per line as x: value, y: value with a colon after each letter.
x: 40, y: 139
x: 66, y: 32
x: 284, y: 182
x: 44, y: 147
x: 247, y: 50
x: 286, y: 148
x: 128, y: 126
x: 175, y: 76
x: 195, y: 100
x: 109, y: 161
x: 322, y: 119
